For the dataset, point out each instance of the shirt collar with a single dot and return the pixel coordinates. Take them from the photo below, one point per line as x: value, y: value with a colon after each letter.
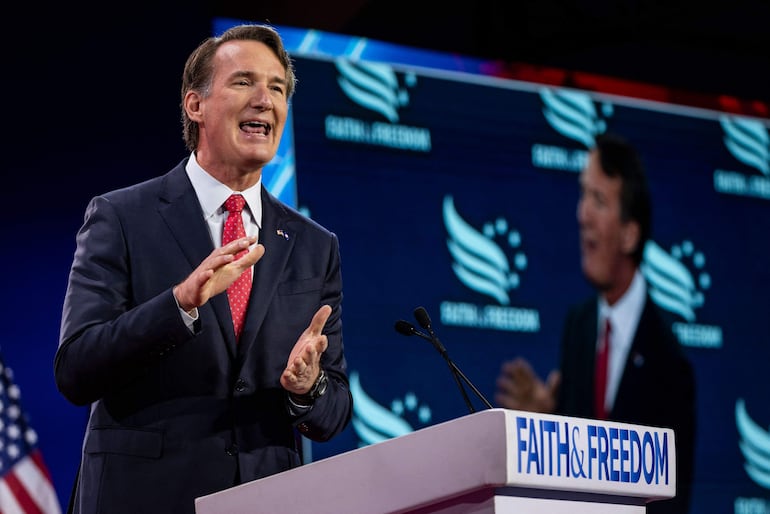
x: 212, y: 193
x: 625, y: 313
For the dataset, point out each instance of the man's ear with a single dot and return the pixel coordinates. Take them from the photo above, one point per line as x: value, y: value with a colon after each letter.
x: 630, y: 237
x: 192, y: 105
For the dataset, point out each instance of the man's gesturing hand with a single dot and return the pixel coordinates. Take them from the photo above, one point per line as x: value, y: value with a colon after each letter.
x: 304, y: 364
x: 217, y: 271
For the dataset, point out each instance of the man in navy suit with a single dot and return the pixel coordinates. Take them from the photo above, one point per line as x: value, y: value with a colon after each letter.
x: 649, y: 380
x: 183, y: 404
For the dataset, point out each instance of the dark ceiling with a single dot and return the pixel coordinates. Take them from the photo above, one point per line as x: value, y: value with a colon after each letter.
x: 703, y: 47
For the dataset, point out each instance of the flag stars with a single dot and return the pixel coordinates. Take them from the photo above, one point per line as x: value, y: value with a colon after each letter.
x: 13, y: 431
x: 20, y: 459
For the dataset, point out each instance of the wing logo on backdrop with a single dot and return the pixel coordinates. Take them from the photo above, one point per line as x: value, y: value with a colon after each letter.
x: 748, y: 142
x: 673, y: 287
x: 754, y: 445
x: 376, y: 87
x: 480, y: 263
x: 374, y: 423
x: 574, y: 115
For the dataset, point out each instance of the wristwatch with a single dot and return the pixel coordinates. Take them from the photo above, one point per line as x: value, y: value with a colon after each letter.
x: 316, y: 391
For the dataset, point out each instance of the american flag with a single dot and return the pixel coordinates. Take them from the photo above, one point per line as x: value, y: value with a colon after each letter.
x: 25, y: 483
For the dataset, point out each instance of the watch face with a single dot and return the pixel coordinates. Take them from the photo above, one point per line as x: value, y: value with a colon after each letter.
x: 319, y: 388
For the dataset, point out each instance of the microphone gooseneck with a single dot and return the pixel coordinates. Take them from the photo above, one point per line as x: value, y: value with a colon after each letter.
x: 421, y: 315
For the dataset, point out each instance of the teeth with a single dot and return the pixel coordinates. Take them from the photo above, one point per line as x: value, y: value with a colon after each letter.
x: 256, y: 124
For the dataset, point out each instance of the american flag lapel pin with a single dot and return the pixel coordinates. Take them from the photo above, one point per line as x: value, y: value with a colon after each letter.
x: 282, y: 233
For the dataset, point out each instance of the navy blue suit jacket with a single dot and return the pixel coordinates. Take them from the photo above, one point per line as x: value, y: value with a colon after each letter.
x: 657, y: 387
x: 176, y: 414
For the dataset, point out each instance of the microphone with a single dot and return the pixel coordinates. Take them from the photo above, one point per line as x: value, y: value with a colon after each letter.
x: 407, y: 329
x: 422, y: 317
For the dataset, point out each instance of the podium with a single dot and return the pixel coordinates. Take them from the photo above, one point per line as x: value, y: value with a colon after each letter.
x: 492, y: 461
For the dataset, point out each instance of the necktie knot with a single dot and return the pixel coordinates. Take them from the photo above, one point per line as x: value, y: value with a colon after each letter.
x: 235, y: 203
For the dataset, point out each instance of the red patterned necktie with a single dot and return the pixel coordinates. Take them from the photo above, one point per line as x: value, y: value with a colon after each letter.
x: 600, y: 377
x: 238, y: 292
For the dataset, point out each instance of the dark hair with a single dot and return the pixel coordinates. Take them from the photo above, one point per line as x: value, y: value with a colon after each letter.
x: 618, y: 158
x: 199, y: 70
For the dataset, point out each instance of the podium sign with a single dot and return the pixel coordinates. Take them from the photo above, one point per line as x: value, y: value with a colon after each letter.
x: 493, y: 461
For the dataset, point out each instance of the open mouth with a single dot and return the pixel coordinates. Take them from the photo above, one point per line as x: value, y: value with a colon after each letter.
x: 255, y: 127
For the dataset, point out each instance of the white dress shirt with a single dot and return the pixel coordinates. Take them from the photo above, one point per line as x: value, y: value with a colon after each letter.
x: 212, y: 195
x: 624, y: 317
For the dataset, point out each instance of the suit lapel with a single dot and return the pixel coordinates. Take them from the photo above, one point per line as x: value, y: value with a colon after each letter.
x: 278, y: 236
x: 181, y: 211
x: 591, y: 331
x: 637, y: 355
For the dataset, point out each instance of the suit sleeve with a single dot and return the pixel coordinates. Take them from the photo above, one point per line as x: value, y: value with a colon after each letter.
x: 331, y: 412
x: 105, y: 338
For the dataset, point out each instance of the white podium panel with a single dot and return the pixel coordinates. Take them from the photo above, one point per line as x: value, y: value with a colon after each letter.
x: 493, y: 461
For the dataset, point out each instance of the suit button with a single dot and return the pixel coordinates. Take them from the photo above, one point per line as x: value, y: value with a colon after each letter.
x: 240, y: 385
x: 232, y: 450
x: 303, y: 427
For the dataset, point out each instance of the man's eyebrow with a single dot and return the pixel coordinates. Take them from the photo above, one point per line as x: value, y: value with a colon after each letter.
x: 250, y: 74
